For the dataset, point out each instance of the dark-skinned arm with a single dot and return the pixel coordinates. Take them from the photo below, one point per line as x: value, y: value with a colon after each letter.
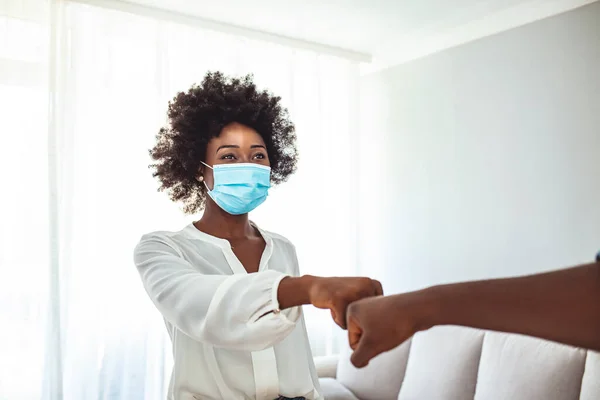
x: 333, y: 293
x: 562, y: 306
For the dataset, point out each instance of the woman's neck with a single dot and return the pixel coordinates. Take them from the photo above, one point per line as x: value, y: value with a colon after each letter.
x: 221, y: 224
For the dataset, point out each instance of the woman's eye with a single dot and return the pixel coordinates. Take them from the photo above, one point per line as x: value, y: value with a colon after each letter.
x: 260, y: 156
x: 227, y: 157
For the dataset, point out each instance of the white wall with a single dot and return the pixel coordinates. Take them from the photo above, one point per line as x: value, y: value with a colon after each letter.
x: 484, y: 160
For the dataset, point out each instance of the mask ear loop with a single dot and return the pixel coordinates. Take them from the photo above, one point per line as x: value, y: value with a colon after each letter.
x: 201, y: 177
x: 206, y: 165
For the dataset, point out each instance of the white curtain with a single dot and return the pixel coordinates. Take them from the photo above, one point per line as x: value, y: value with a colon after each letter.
x: 83, y: 91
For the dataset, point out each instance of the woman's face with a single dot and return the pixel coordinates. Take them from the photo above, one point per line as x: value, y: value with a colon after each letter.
x: 236, y: 143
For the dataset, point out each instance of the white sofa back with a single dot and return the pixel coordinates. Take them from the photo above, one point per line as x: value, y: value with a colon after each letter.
x: 456, y: 363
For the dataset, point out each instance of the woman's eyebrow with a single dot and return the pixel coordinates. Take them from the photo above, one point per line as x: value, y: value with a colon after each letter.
x: 228, y: 146
x: 235, y: 146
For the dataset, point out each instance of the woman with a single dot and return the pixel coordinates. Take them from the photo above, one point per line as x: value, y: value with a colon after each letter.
x: 230, y: 293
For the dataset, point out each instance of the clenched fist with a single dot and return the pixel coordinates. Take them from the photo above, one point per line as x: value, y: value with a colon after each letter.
x: 336, y: 294
x: 379, y: 324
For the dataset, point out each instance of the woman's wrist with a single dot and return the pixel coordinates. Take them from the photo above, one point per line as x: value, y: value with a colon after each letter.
x: 295, y: 291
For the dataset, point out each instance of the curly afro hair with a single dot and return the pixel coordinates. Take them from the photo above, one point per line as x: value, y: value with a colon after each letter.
x: 198, y: 115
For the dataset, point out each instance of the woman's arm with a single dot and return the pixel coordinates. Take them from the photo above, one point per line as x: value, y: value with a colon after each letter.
x: 562, y: 306
x: 235, y: 311
x: 333, y: 293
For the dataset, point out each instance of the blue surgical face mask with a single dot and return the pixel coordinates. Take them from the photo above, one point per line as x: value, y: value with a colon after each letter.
x: 239, y: 188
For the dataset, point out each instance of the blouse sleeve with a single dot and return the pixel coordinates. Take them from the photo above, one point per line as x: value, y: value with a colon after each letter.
x: 232, y: 311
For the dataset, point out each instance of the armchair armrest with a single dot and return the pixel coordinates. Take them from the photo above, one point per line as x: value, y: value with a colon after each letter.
x: 326, y: 366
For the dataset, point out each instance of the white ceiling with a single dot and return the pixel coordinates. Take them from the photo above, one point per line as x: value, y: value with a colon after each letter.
x: 388, y: 31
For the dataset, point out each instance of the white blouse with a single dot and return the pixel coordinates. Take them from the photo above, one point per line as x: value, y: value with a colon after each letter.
x: 222, y: 347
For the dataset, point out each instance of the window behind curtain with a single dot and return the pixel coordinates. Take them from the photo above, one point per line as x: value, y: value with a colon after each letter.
x: 113, y: 74
x: 24, y: 256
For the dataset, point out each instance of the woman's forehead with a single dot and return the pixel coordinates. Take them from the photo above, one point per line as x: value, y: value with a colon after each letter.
x: 237, y: 134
